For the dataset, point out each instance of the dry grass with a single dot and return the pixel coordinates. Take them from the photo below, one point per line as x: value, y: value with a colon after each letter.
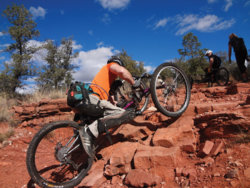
x: 6, y: 135
x: 5, y: 106
x: 38, y: 96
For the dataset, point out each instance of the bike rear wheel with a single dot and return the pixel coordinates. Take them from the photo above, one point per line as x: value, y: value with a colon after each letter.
x: 170, y: 90
x: 222, y: 76
x: 56, y: 158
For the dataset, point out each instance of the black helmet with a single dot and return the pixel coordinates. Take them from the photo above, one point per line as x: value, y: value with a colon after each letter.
x: 117, y: 60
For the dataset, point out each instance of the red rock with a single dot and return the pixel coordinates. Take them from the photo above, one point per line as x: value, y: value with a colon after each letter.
x: 190, y: 111
x: 118, y: 157
x: 202, y: 108
x: 48, y: 109
x: 206, y: 148
x: 218, y: 146
x: 248, y: 99
x: 178, y: 171
x: 224, y: 106
x: 247, y: 173
x: 232, y: 89
x: 95, y: 175
x: 178, y: 134
x: 29, y: 110
x: 18, y: 109
x: 133, y: 132
x: 148, y: 157
x: 140, y: 178
x: 111, y: 170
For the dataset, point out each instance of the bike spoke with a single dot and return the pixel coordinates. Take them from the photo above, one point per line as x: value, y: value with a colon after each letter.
x: 171, y: 91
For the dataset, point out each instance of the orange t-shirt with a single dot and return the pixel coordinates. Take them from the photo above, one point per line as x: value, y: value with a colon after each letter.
x: 102, y: 81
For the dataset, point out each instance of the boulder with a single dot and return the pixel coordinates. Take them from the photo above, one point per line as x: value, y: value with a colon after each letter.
x: 140, y: 178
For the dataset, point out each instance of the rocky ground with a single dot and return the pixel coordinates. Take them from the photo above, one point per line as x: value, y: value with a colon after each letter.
x: 208, y: 146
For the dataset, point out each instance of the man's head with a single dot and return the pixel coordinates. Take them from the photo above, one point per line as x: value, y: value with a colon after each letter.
x: 115, y: 59
x: 208, y: 53
x: 232, y: 35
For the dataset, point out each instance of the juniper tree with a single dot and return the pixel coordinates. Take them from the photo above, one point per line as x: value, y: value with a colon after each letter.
x: 22, y: 30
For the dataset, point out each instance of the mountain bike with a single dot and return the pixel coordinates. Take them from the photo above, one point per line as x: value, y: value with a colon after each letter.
x: 56, y: 158
x: 220, y: 77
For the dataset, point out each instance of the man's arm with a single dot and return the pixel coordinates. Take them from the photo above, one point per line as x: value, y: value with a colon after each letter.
x: 229, y: 52
x: 211, y: 61
x: 122, y: 72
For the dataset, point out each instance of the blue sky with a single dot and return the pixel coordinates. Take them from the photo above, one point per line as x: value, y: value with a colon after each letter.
x: 149, y: 30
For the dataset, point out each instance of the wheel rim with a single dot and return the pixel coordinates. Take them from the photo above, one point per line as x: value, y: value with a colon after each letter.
x: 171, y: 90
x: 49, y: 163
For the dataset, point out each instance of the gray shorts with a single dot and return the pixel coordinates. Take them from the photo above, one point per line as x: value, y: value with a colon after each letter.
x: 110, y: 111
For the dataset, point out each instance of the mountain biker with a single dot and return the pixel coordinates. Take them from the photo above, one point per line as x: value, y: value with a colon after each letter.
x: 214, y: 64
x: 240, y: 52
x: 112, y: 115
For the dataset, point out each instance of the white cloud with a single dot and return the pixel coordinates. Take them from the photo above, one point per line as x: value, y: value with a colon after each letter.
x: 211, y: 1
x: 76, y: 46
x: 34, y: 43
x: 207, y: 23
x: 100, y: 44
x: 106, y: 19
x: 229, y: 3
x: 247, y: 3
x: 4, y: 45
x: 149, y: 69
x: 90, y: 32
x: 38, y: 12
x: 161, y: 23
x: 38, y: 56
x: 114, y: 4
x: 90, y: 62
x: 29, y: 88
x: 1, y: 34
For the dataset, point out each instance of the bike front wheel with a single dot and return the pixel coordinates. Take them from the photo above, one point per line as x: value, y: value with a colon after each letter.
x: 170, y: 90
x: 56, y: 158
x: 222, y: 76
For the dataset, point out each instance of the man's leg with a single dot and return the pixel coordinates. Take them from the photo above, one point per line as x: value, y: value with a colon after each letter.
x: 113, y: 116
x: 241, y: 65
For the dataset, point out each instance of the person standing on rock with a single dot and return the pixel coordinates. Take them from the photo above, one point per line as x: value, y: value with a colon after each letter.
x: 240, y: 52
x: 113, y: 115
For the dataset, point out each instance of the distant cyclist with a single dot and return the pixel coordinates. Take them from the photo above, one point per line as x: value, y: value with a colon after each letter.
x: 214, y: 64
x: 240, y: 52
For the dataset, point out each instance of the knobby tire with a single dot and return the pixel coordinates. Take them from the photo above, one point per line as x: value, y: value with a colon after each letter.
x: 153, y: 87
x: 31, y: 153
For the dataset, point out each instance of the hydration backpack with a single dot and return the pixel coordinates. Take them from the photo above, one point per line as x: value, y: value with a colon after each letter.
x: 78, y: 92
x: 78, y: 98
x: 217, y: 61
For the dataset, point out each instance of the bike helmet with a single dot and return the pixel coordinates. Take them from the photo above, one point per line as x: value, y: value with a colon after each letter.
x: 208, y: 52
x: 117, y: 60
